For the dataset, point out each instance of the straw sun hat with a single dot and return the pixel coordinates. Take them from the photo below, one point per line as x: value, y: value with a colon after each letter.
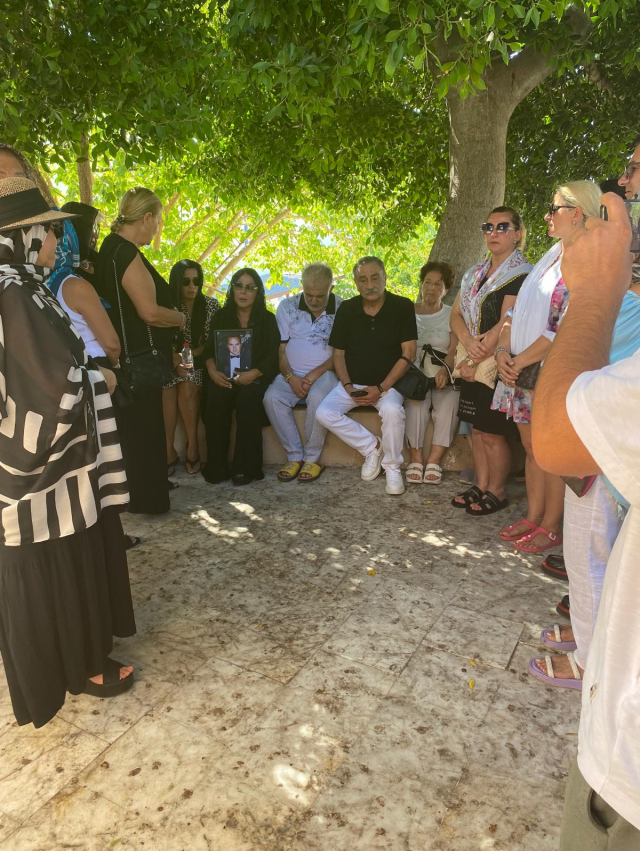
x: 21, y: 205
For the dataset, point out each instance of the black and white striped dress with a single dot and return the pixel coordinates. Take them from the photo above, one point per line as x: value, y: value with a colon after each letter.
x: 64, y: 584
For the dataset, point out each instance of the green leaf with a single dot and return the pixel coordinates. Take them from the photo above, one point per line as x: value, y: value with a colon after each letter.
x: 418, y: 60
x: 383, y: 5
x: 389, y: 66
x: 393, y: 35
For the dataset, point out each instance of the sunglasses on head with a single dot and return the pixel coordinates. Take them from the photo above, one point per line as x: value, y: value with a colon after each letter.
x: 56, y: 227
x: 248, y: 287
x: 501, y: 227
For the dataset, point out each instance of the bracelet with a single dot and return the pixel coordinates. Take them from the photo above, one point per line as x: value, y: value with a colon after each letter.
x: 379, y: 386
x: 502, y: 349
x: 288, y: 376
x: 348, y: 384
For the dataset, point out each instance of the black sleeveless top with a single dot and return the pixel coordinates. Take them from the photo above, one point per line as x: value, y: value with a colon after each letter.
x: 135, y: 329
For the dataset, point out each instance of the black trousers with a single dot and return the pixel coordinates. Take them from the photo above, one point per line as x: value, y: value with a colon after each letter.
x: 247, y: 402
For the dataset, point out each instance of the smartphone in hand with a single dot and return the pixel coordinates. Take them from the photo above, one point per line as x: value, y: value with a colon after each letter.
x: 633, y: 211
x: 358, y: 394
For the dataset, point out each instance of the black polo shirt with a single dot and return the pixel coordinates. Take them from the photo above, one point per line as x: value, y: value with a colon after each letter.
x: 373, y: 344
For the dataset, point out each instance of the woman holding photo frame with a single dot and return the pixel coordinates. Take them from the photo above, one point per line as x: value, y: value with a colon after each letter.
x: 241, y: 357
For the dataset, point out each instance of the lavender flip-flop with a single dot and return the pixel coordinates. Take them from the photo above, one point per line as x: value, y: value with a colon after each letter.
x: 556, y: 643
x: 549, y: 678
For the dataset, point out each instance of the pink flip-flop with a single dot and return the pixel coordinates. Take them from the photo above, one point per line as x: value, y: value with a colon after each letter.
x: 560, y: 682
x: 558, y: 643
x: 507, y: 535
x: 525, y: 545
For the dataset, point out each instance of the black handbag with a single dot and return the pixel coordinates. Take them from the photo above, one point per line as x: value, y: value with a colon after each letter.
x: 529, y: 375
x: 414, y: 384
x: 145, y: 369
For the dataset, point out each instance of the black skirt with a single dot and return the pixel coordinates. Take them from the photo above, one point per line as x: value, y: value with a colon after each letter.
x: 144, y: 449
x: 61, y: 603
x: 475, y: 408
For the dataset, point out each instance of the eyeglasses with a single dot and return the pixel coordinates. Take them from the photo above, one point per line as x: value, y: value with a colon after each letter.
x: 250, y: 288
x: 56, y: 227
x: 553, y: 208
x: 501, y: 227
x: 629, y: 170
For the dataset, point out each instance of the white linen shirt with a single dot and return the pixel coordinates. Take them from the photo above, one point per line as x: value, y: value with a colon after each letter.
x: 604, y: 409
x: 307, y: 338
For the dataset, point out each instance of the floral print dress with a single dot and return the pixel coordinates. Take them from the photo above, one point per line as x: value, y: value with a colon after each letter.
x: 516, y: 402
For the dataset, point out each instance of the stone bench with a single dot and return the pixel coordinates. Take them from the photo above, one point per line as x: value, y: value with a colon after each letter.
x: 336, y: 453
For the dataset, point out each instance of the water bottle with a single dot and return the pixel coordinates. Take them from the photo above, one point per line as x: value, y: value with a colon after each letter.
x: 187, y: 356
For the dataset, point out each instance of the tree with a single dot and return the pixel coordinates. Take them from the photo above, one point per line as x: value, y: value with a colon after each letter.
x: 322, y: 61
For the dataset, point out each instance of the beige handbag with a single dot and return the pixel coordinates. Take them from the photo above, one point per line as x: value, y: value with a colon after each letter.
x: 486, y: 371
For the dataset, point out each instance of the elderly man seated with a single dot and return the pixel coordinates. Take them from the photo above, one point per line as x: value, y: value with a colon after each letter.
x: 374, y: 343
x: 306, y: 371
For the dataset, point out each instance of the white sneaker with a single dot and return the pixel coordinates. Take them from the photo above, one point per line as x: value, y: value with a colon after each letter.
x: 372, y: 465
x: 395, y: 484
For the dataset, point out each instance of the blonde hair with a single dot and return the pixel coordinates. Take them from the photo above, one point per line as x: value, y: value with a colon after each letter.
x: 135, y: 204
x: 584, y: 194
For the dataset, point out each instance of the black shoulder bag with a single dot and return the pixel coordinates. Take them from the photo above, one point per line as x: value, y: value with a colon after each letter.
x: 145, y: 369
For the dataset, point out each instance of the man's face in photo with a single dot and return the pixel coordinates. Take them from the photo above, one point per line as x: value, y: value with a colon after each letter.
x: 234, y: 345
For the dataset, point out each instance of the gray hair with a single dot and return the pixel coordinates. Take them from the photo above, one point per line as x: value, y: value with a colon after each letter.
x: 317, y: 272
x: 368, y: 259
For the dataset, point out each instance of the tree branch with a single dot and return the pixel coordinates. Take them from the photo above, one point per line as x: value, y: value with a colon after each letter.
x: 85, y: 175
x: 213, y: 245
x: 249, y: 246
x: 197, y: 225
x: 167, y: 209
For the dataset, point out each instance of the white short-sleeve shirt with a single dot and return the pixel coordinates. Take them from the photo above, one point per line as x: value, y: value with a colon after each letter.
x: 604, y: 408
x: 307, y: 338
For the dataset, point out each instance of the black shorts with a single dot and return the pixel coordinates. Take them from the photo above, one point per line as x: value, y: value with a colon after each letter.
x: 475, y: 408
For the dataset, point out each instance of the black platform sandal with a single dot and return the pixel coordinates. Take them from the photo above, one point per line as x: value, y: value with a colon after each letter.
x: 474, y: 494
x: 111, y: 685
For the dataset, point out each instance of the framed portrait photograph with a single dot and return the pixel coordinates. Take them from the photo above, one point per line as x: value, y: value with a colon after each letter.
x: 233, y: 350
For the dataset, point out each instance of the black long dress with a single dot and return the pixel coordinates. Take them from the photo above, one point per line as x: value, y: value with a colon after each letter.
x: 141, y: 425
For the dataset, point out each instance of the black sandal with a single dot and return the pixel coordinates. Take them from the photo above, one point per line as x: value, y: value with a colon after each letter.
x: 193, y: 467
x: 112, y: 685
x: 490, y: 504
x: 131, y: 541
x: 171, y: 466
x: 474, y: 494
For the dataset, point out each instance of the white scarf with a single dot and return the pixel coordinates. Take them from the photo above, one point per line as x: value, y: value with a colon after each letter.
x: 531, y: 310
x: 472, y: 295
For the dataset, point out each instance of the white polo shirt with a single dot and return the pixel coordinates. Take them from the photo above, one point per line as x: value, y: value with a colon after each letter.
x: 604, y: 408
x: 307, y: 338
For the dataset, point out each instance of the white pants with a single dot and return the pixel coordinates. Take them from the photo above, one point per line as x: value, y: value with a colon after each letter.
x: 445, y: 417
x: 332, y: 414
x: 591, y: 526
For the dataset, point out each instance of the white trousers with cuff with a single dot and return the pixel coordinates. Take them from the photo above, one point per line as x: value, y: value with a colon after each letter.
x: 445, y: 417
x: 279, y: 402
x: 332, y: 413
x: 591, y: 526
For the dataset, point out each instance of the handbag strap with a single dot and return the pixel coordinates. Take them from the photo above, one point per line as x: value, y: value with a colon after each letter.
x: 437, y: 357
x: 118, y: 285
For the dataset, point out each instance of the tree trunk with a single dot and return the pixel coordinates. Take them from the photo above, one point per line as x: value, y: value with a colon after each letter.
x: 478, y: 129
x: 477, y: 165
x: 85, y: 175
x: 165, y: 212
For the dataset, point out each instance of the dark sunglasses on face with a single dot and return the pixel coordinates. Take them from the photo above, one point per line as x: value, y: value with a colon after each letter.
x: 501, y: 227
x: 250, y: 288
x: 188, y: 281
x: 56, y: 227
x: 630, y: 169
x: 553, y: 208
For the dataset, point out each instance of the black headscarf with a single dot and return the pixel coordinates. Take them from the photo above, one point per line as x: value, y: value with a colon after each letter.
x: 199, y: 315
x: 84, y: 227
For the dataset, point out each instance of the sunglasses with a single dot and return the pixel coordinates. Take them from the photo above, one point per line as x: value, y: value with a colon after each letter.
x: 553, y: 208
x: 188, y: 281
x: 250, y: 288
x: 501, y: 227
x: 56, y: 227
x: 629, y: 170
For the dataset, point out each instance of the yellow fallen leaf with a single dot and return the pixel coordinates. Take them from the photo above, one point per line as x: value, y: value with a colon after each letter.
x: 472, y: 684
x: 372, y: 572
x: 471, y: 662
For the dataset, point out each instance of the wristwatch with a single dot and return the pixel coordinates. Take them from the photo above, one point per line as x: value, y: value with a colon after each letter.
x: 470, y: 362
x: 288, y: 376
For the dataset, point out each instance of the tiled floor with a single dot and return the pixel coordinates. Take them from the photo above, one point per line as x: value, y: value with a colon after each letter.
x: 319, y: 668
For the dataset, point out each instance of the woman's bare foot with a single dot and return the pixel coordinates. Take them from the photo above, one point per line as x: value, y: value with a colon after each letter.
x: 520, y: 528
x: 566, y: 634
x: 561, y: 667
x: 124, y: 673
